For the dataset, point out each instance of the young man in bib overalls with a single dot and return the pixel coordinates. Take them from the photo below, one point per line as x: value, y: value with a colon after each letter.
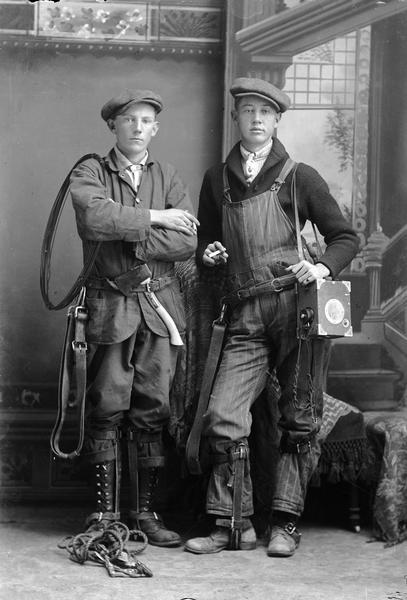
x: 247, y: 217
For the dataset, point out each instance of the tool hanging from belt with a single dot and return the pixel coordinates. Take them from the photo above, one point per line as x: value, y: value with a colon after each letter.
x: 194, y: 439
x: 72, y: 377
x: 72, y: 371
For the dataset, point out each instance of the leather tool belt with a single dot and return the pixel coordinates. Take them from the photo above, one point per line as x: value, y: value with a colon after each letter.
x: 129, y: 283
x: 276, y: 285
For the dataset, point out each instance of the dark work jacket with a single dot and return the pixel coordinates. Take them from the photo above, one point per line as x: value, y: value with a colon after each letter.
x: 315, y: 203
x: 106, y: 210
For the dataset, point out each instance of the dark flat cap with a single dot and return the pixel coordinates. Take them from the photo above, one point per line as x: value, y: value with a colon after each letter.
x: 250, y: 86
x: 120, y: 102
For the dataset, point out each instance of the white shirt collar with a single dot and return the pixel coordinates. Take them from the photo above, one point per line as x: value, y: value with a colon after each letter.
x: 125, y: 162
x: 259, y: 154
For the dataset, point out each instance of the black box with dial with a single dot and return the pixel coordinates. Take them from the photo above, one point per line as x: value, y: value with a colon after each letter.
x: 323, y: 309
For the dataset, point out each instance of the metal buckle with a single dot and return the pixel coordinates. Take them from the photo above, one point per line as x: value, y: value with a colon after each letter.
x: 277, y: 285
x: 79, y: 345
x: 221, y: 318
x: 241, y: 452
x: 80, y: 309
x: 290, y: 528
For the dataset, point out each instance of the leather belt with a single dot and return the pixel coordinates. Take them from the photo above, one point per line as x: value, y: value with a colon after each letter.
x: 276, y: 285
x: 104, y: 283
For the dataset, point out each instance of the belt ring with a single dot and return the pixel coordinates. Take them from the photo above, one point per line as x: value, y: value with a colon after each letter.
x: 277, y: 285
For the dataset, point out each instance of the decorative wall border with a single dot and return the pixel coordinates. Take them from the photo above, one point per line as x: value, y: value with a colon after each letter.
x: 123, y: 27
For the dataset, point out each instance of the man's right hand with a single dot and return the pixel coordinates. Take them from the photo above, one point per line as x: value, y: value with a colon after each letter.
x: 215, y: 254
x: 176, y: 219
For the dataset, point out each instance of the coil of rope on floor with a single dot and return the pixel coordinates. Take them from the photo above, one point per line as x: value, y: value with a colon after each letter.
x: 106, y: 544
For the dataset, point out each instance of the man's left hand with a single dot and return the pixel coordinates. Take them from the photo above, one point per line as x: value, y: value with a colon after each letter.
x: 306, y: 272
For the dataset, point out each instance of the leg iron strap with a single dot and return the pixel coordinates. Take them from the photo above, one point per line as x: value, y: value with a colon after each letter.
x: 238, y: 455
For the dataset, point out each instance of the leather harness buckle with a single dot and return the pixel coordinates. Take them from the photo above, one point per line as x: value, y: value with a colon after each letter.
x: 277, y: 285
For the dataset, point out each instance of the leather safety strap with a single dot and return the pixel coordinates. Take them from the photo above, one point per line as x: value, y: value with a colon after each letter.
x: 194, y: 439
x: 48, y: 244
x: 72, y: 378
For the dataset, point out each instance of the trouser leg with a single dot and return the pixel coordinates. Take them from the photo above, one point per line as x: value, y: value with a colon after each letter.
x: 230, y: 480
x: 293, y: 475
x: 301, y: 405
x: 241, y: 376
x: 223, y: 477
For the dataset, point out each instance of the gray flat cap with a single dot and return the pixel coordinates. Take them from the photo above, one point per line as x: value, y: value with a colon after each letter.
x: 250, y: 86
x: 120, y: 102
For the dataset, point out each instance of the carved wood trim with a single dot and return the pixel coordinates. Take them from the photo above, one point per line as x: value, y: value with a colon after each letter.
x: 310, y: 24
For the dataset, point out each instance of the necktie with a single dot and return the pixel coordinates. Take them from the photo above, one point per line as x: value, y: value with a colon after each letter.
x: 249, y: 166
x: 135, y: 174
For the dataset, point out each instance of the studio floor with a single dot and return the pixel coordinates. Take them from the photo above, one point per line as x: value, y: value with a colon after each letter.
x: 332, y: 563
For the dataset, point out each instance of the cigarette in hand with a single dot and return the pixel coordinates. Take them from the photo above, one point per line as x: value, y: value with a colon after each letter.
x: 215, y: 253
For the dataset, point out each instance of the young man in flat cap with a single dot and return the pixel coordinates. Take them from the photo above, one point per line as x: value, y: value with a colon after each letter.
x: 246, y: 215
x: 140, y: 210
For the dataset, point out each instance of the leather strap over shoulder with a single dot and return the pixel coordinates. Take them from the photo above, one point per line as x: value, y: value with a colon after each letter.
x: 288, y: 166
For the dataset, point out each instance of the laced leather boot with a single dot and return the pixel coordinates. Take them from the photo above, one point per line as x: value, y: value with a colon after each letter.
x: 106, y: 481
x: 148, y: 521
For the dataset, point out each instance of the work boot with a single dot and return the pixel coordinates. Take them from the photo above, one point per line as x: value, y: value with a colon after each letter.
x: 106, y: 486
x: 219, y: 539
x: 284, y: 540
x: 148, y: 521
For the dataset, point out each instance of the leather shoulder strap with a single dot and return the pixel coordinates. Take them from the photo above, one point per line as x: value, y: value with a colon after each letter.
x: 297, y: 220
